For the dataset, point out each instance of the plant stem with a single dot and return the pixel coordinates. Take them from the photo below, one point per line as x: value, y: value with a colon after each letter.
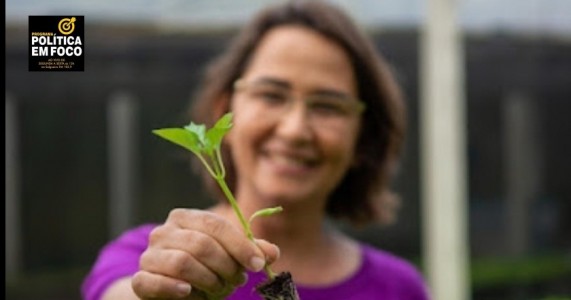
x: 235, y: 207
x: 245, y: 224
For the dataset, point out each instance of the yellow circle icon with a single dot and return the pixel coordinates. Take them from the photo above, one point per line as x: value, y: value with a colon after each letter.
x: 66, y: 25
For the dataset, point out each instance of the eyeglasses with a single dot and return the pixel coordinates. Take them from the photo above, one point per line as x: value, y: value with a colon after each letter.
x: 273, y: 100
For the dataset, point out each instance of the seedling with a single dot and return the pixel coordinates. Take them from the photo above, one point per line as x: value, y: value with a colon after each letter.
x: 206, y: 145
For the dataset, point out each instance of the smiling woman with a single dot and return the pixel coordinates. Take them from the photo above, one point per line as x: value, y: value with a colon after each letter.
x: 318, y: 128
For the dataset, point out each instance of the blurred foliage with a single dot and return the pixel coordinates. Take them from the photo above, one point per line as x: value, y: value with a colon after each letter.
x: 503, y: 271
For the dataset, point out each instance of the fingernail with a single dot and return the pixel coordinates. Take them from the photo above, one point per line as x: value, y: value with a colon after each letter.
x: 277, y: 251
x: 257, y: 264
x: 183, y: 288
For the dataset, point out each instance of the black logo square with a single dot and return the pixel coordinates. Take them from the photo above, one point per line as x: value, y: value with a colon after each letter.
x: 56, y: 43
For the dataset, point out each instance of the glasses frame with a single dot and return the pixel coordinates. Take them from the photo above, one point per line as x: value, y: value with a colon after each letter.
x: 359, y: 107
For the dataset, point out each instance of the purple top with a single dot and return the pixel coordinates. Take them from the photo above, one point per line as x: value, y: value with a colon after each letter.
x: 381, y: 275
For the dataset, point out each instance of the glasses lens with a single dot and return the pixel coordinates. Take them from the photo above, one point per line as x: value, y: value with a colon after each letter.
x: 272, y: 101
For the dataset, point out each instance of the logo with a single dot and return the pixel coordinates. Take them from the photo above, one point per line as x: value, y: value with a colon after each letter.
x: 66, y: 25
x: 56, y: 43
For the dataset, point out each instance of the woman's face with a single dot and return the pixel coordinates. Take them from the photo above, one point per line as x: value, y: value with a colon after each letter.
x: 296, y: 118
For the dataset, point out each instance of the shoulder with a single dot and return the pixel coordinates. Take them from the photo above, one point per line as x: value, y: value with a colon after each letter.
x: 135, y: 236
x: 394, y: 273
x: 117, y: 259
x: 385, y: 261
x: 134, y: 240
x: 129, y: 245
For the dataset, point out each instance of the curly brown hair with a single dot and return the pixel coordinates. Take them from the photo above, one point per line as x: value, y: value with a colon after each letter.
x: 363, y: 195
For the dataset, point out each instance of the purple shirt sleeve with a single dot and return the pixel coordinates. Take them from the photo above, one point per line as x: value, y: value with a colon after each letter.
x: 118, y: 259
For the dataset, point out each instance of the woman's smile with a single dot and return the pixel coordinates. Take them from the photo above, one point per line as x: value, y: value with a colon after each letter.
x: 289, y: 163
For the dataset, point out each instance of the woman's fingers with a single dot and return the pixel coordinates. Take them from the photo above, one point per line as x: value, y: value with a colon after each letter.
x: 179, y: 264
x: 225, y: 233
x: 156, y: 286
x: 271, y: 251
x: 200, y: 247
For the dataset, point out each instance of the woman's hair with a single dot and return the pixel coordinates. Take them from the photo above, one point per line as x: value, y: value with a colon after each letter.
x: 364, y: 193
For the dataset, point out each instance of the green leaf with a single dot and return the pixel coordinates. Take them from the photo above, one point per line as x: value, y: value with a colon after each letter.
x: 199, y: 130
x: 185, y: 138
x: 225, y: 121
x: 215, y: 134
x: 266, y: 212
x: 214, y: 137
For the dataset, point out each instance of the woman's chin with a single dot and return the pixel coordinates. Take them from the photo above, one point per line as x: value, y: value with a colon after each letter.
x: 287, y: 195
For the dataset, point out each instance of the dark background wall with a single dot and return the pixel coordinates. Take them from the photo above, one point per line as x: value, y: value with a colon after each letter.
x: 63, y: 157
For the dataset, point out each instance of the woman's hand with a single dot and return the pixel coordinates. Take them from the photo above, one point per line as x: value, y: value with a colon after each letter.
x: 198, y: 254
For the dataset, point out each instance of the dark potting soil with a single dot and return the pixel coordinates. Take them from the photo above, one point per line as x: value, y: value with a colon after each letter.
x: 280, y: 288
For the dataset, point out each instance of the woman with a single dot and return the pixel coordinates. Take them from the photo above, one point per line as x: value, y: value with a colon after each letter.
x: 318, y: 127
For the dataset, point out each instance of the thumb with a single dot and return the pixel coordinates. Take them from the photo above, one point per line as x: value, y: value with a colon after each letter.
x: 271, y: 251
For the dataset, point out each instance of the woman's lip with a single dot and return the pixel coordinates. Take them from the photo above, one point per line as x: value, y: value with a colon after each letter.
x: 289, y: 164
x: 303, y: 154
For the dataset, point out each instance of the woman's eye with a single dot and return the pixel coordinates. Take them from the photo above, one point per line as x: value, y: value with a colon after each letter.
x: 328, y: 107
x: 272, y: 97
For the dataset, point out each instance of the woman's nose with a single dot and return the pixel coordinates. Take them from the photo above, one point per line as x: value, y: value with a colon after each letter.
x: 294, y: 123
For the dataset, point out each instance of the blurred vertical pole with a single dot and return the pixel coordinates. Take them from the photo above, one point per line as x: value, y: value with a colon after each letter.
x: 122, y: 133
x: 444, y: 185
x: 523, y: 169
x: 13, y: 249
